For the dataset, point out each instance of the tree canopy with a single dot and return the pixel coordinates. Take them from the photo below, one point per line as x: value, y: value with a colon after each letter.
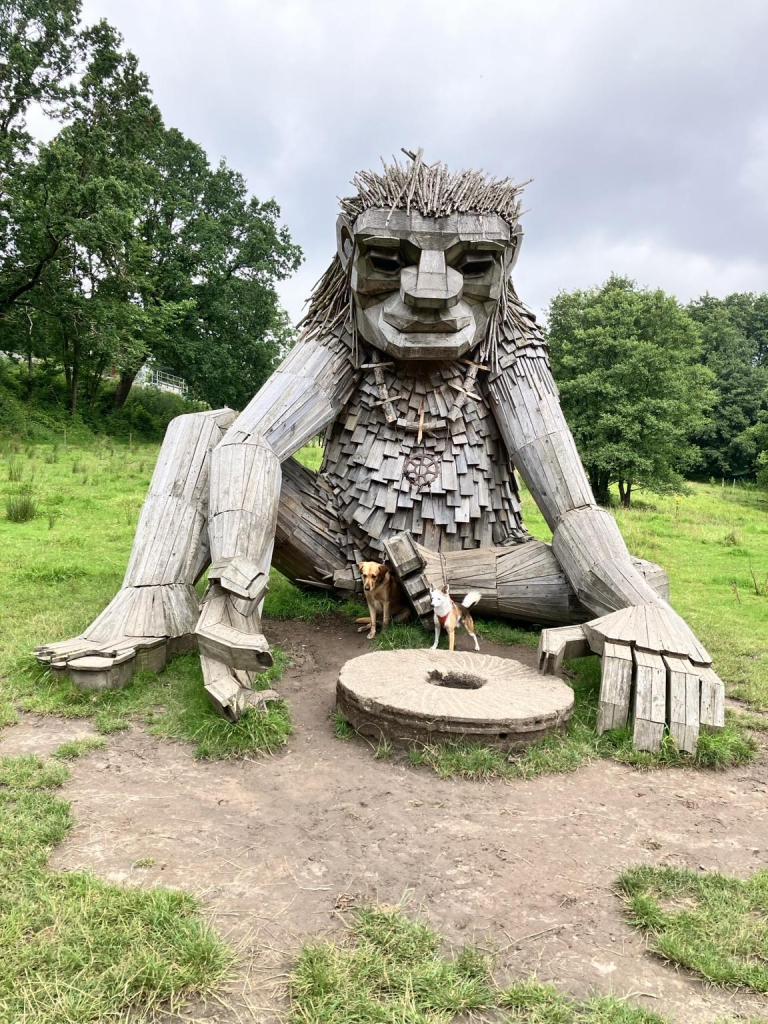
x: 734, y: 336
x: 633, y: 389
x: 119, y: 242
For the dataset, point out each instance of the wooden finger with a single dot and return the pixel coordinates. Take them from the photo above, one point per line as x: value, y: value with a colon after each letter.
x: 615, y: 686
x: 555, y: 645
x: 650, y: 700
x: 712, y: 711
x: 683, y: 701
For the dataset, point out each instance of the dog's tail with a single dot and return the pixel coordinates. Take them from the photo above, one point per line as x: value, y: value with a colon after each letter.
x: 472, y: 598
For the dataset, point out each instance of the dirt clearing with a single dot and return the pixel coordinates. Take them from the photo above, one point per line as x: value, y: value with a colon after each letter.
x: 277, y: 847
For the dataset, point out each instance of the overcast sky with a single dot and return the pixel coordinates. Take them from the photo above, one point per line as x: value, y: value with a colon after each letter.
x: 643, y: 124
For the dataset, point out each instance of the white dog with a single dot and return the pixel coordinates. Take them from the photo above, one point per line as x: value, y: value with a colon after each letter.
x: 449, y: 615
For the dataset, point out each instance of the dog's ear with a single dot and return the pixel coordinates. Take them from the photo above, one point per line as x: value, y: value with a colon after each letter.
x: 360, y: 566
x: 444, y: 590
x: 383, y: 570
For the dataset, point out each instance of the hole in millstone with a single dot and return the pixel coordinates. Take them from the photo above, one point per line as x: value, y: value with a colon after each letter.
x: 456, y: 680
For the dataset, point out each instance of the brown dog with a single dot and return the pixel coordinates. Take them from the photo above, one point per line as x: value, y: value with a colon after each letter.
x: 383, y: 593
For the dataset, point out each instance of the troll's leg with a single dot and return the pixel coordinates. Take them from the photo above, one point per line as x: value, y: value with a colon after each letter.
x: 154, y: 613
x: 523, y: 582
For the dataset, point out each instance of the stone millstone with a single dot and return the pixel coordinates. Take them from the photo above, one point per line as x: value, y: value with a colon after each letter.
x: 438, y: 695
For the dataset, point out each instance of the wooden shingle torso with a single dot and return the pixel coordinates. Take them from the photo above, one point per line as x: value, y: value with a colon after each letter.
x: 453, y: 489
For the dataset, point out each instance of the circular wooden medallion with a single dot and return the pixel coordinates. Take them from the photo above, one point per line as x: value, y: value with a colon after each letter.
x: 421, y: 469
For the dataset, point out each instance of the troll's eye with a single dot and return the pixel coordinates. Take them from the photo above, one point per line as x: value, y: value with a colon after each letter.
x: 475, y: 264
x: 386, y: 261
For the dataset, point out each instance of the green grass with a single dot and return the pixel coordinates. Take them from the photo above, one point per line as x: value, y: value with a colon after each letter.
x: 392, y: 970
x: 77, y: 949
x: 712, y: 924
x: 528, y: 1002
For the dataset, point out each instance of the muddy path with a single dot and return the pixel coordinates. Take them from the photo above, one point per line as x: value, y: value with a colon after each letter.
x: 277, y: 846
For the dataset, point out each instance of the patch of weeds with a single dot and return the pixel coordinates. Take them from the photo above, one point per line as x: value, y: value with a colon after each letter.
x: 21, y: 507
x: 52, y: 574
x: 731, y: 539
x: 284, y: 601
x: 174, y: 705
x: 352, y: 609
x: 144, y: 862
x: 15, y: 471
x: 532, y: 1003
x: 502, y: 633
x: 8, y: 714
x: 400, y: 636
x: 390, y: 969
x: 107, y: 722
x: 186, y: 713
x: 342, y: 730
x: 748, y: 720
x: 712, y: 924
x: 77, y: 748
x: 383, y: 751
x: 74, y: 947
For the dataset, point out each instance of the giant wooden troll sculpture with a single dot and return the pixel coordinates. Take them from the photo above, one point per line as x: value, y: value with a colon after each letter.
x: 431, y: 381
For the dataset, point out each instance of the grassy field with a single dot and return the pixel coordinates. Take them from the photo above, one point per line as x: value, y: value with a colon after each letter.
x: 76, y: 948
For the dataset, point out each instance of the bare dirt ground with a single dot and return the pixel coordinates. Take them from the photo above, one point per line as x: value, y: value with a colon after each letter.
x: 276, y: 846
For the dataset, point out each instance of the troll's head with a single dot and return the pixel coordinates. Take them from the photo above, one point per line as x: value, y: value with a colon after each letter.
x: 424, y: 260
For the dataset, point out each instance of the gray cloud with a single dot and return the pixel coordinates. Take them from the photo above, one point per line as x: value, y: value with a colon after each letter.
x: 644, y: 123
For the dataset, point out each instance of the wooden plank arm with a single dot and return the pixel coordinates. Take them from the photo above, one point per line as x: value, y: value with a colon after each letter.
x: 587, y: 541
x: 298, y: 401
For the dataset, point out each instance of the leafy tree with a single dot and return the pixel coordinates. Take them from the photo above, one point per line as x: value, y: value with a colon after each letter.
x: 632, y: 389
x: 118, y: 242
x: 734, y: 334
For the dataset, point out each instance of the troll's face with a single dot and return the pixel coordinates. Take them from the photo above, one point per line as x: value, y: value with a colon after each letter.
x: 426, y: 287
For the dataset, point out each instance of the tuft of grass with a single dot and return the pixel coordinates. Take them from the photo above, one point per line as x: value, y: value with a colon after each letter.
x: 77, y: 748
x: 75, y: 948
x: 144, y: 862
x: 390, y: 969
x: 20, y: 507
x: 713, y: 924
x: 15, y: 471
x: 342, y: 730
x: 532, y: 1003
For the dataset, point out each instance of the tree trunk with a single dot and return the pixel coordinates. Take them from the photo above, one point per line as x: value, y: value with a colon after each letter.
x: 599, y: 483
x: 75, y: 379
x: 625, y: 492
x: 124, y: 385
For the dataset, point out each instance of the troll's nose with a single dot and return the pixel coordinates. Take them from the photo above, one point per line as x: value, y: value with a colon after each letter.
x: 431, y: 285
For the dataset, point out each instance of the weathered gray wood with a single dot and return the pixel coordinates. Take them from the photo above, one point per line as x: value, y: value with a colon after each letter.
x: 615, y: 687
x: 650, y: 700
x: 684, y: 700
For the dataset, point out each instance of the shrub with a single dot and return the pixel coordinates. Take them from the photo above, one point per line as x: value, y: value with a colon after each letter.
x: 20, y: 507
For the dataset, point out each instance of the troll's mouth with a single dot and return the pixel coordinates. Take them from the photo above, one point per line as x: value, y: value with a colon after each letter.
x: 428, y: 322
